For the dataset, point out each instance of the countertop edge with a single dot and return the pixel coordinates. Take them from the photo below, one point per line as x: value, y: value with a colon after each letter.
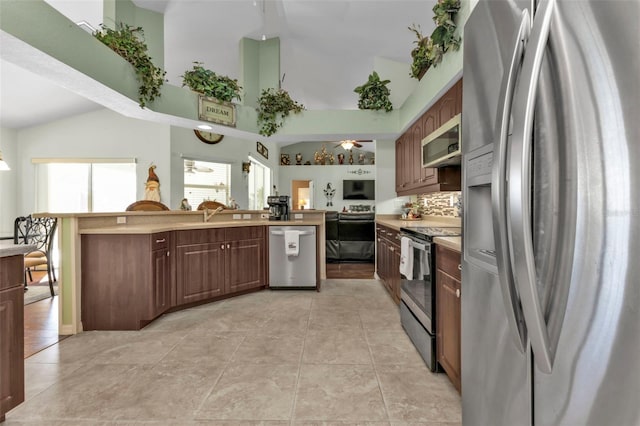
x: 10, y: 249
x: 153, y: 228
x: 453, y: 243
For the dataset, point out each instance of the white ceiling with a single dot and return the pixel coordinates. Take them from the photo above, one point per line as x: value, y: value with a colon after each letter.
x: 327, y: 47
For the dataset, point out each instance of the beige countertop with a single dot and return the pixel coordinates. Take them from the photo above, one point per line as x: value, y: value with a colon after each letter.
x: 394, y: 222
x: 152, y: 228
x: 7, y: 248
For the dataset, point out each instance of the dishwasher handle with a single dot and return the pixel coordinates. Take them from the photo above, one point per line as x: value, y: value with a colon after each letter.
x: 299, y: 233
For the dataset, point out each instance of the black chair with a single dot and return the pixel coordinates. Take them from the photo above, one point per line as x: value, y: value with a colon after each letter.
x: 331, y: 236
x: 39, y: 232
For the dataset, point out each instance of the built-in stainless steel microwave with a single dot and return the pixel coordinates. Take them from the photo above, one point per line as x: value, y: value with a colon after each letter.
x: 442, y: 146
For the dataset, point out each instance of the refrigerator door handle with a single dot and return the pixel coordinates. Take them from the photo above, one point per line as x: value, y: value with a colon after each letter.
x: 499, y: 182
x: 519, y: 188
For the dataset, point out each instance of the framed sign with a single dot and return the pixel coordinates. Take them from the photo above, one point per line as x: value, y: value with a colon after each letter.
x: 262, y: 150
x: 215, y: 111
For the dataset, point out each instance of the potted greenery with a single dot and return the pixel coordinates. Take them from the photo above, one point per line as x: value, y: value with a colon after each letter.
x: 208, y: 83
x: 128, y: 42
x: 273, y: 106
x: 374, y: 94
x: 430, y: 50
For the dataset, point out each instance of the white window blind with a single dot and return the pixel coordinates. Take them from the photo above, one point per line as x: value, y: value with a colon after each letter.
x: 205, y: 180
x: 84, y: 185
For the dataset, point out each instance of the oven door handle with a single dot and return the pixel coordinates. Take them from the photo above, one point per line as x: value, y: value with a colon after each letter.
x: 417, y: 245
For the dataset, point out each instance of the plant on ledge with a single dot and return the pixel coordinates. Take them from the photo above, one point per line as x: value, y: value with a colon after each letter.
x: 273, y: 106
x: 128, y: 42
x: 374, y: 94
x: 430, y: 50
x: 208, y: 83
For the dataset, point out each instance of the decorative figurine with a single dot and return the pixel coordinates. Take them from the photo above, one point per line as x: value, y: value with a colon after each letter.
x: 361, y: 158
x: 350, y: 157
x: 152, y: 187
x: 184, y: 205
x: 331, y: 159
x: 298, y: 159
x: 329, y: 192
x: 340, y: 158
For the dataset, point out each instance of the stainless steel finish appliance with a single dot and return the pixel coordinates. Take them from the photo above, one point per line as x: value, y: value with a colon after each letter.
x: 297, y: 271
x: 278, y: 207
x: 417, y: 289
x: 551, y: 187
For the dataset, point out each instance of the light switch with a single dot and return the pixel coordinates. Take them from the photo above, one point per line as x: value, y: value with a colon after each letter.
x: 121, y: 219
x: 298, y: 215
x: 237, y: 216
x: 246, y: 216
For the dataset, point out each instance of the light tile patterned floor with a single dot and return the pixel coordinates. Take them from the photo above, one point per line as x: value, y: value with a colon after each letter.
x: 274, y: 358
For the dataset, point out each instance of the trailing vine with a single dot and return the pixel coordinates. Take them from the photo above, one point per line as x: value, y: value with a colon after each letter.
x: 273, y: 106
x: 128, y: 42
x: 374, y: 94
x: 430, y: 50
x: 208, y: 83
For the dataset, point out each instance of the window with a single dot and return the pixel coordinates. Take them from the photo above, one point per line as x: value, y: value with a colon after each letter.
x: 206, y: 181
x: 82, y: 185
x: 259, y: 184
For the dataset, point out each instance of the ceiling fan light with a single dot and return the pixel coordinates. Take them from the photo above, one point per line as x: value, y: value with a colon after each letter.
x: 348, y: 144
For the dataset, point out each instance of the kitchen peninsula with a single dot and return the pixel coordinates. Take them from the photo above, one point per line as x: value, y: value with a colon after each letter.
x: 119, y: 271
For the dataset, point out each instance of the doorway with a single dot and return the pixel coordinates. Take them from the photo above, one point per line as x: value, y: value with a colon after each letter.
x: 302, y: 194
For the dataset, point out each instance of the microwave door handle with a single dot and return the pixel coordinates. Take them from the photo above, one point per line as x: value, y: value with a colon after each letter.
x: 519, y: 189
x: 499, y: 182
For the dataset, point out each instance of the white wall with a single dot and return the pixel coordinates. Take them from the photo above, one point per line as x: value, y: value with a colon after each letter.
x: 8, y: 181
x: 97, y: 134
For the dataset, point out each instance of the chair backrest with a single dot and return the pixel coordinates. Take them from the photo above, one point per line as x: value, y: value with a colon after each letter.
x: 211, y: 205
x: 21, y: 229
x: 146, y: 205
x: 40, y: 233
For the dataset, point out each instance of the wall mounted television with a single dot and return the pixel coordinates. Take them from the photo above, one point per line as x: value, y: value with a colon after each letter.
x: 361, y: 189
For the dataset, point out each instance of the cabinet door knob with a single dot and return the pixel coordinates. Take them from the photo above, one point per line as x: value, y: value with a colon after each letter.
x: 221, y: 246
x: 458, y: 293
x: 161, y: 240
x: 392, y: 249
x: 228, y: 245
x: 459, y: 267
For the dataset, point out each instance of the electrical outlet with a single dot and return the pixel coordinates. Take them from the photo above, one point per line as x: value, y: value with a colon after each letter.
x: 237, y: 216
x: 298, y: 215
x: 264, y: 215
x: 246, y: 216
x: 121, y: 219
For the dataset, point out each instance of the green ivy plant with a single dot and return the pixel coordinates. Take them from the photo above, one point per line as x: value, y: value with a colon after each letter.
x: 128, y: 42
x: 208, y: 83
x: 273, y: 106
x: 374, y: 94
x: 430, y: 50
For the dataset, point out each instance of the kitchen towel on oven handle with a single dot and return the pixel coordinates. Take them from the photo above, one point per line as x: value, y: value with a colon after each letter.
x: 406, y: 257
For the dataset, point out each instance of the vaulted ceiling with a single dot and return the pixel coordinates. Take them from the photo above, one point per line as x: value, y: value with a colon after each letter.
x: 328, y: 47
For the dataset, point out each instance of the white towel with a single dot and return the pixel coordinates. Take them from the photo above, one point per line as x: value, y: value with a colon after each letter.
x: 406, y: 258
x: 292, y: 242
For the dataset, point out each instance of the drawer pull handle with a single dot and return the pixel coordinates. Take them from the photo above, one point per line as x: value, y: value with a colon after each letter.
x: 392, y: 249
x: 161, y: 241
x: 221, y: 246
x: 458, y: 293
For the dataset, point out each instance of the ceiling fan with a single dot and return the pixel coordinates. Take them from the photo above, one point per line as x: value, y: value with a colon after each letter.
x: 190, y: 167
x: 347, y: 144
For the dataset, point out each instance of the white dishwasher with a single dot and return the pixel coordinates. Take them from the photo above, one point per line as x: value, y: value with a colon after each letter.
x: 292, y: 270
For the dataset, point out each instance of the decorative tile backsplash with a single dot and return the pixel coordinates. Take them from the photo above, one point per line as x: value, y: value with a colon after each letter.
x: 439, y: 204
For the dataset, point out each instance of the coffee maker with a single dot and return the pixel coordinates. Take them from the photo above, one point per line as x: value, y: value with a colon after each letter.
x: 278, y: 207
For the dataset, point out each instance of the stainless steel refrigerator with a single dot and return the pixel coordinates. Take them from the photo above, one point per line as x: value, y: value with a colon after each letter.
x: 551, y: 187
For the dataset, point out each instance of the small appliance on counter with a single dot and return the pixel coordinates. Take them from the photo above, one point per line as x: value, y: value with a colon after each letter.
x: 278, y: 207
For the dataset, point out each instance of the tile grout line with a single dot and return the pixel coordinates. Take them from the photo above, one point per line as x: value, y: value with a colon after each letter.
x: 375, y: 371
x: 304, y: 344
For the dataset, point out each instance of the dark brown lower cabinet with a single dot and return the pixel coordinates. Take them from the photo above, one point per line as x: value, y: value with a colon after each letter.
x: 448, y: 279
x: 11, y: 333
x: 126, y: 280
x: 388, y: 259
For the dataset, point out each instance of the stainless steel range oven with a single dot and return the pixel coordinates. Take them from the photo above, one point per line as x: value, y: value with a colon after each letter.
x: 418, y: 289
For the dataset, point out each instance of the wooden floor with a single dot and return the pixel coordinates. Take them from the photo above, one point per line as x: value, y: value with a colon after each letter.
x: 350, y: 270
x: 41, y: 318
x: 40, y: 322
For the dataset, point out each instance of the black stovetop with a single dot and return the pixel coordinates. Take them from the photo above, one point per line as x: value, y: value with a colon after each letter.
x: 428, y: 232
